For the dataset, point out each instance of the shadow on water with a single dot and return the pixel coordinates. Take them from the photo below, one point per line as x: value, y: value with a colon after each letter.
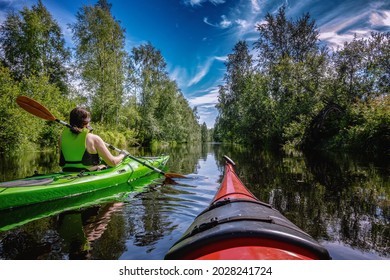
x: 343, y: 202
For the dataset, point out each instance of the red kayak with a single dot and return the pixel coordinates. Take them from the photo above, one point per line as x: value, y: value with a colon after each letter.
x: 237, y: 226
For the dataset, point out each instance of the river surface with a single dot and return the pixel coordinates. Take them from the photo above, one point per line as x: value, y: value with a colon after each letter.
x: 343, y: 201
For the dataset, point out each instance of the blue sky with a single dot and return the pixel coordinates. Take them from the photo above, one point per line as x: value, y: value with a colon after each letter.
x: 195, y: 36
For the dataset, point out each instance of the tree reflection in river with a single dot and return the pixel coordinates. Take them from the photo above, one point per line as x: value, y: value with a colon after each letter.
x: 341, y: 201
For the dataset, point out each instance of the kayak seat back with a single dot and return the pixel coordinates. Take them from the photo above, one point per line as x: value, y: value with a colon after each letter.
x: 27, y: 183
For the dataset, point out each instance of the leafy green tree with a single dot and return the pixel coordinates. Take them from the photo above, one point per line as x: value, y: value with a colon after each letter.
x: 32, y: 44
x: 289, y: 54
x: 10, y: 132
x: 18, y: 129
x: 148, y: 76
x: 238, y: 68
x: 101, y: 59
x: 164, y: 114
x: 166, y: 111
x: 205, y: 133
x: 261, y: 103
x: 258, y: 119
x: 280, y: 38
x: 33, y: 63
x: 191, y: 122
x: 359, y: 83
x: 361, y: 70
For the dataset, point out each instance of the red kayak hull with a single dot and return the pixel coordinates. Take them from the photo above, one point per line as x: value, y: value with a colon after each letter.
x: 237, y: 225
x: 250, y: 252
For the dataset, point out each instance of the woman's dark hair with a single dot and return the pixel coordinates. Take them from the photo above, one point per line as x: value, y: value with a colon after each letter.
x: 78, y: 118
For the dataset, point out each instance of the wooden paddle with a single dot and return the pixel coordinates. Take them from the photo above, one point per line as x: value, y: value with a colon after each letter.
x: 38, y: 110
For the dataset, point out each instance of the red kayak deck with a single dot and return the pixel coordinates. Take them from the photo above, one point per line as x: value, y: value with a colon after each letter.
x: 232, y: 187
x: 237, y: 225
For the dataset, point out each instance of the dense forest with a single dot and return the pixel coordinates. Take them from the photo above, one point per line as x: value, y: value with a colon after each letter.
x: 130, y: 95
x: 291, y: 90
x: 288, y: 89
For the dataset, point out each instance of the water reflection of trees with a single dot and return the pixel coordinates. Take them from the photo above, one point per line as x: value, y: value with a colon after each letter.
x: 182, y: 158
x: 91, y: 233
x: 28, y: 242
x: 355, y: 193
x: 332, y: 197
x: 21, y: 165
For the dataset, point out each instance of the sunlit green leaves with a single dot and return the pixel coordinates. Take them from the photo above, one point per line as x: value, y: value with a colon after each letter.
x: 32, y: 44
x: 301, y: 95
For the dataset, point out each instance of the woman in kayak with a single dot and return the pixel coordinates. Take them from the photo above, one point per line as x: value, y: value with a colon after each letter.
x: 82, y: 150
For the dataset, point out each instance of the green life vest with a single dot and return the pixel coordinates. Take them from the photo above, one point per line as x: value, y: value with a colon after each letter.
x: 74, y: 154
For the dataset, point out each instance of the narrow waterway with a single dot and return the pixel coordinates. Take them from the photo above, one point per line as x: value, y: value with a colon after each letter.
x: 340, y: 200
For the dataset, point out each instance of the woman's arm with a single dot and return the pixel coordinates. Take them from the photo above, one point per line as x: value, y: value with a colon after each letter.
x: 103, y: 151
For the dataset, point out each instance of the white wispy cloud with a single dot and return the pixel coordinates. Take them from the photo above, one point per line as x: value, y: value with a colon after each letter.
x: 203, y: 70
x: 201, y: 73
x: 242, y: 22
x: 220, y: 58
x: 334, y: 39
x: 205, y: 103
x: 342, y: 29
x: 255, y: 6
x: 380, y: 18
x: 242, y: 19
x: 206, y: 20
x: 207, y: 115
x: 336, y: 25
x: 207, y: 100
x: 224, y: 23
x: 344, y: 22
x: 184, y: 79
x: 200, y: 2
x: 180, y: 75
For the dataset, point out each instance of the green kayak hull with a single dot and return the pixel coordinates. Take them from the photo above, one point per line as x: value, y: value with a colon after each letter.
x: 53, y: 186
x: 15, y: 217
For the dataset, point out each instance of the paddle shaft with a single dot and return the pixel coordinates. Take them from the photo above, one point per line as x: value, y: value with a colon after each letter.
x: 63, y: 123
x: 136, y: 159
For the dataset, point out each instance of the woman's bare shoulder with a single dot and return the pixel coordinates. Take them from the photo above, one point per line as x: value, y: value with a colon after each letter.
x: 94, y: 137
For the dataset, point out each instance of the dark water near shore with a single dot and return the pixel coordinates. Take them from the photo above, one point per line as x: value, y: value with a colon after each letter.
x: 343, y: 201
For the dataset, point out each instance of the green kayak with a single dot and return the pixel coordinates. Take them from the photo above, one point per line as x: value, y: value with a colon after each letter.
x: 41, y: 188
x: 14, y: 217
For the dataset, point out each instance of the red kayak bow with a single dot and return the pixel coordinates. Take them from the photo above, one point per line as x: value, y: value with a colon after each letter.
x: 231, y: 186
x: 237, y: 225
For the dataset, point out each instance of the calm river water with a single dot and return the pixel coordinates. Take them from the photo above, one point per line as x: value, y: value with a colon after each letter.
x: 340, y: 200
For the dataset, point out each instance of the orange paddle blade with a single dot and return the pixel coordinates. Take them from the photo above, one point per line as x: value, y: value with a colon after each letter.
x: 174, y: 175
x: 35, y: 108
